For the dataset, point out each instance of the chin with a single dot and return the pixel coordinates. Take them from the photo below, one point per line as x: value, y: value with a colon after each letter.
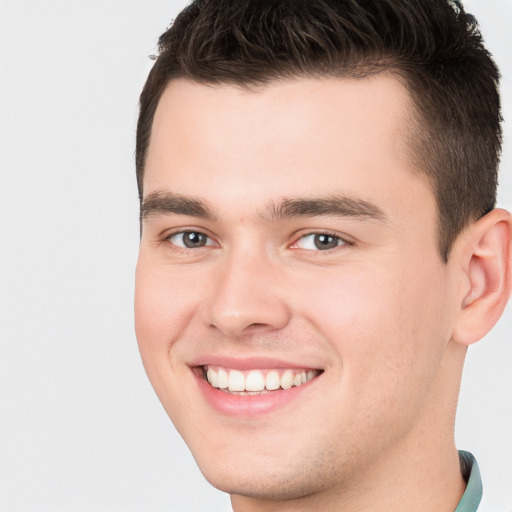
x: 266, y: 479
x: 264, y: 487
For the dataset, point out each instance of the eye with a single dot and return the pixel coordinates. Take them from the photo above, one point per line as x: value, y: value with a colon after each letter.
x: 190, y: 240
x: 319, y: 242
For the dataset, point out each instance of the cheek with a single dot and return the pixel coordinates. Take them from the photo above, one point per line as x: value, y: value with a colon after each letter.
x: 388, y: 325
x: 162, y: 308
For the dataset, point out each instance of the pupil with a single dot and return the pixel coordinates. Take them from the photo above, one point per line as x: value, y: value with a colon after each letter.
x: 192, y: 239
x: 325, y: 242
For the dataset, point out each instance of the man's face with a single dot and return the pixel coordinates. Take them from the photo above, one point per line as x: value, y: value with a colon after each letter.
x: 287, y: 241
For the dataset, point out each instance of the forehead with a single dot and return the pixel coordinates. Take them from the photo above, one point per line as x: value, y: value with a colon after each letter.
x: 303, y: 135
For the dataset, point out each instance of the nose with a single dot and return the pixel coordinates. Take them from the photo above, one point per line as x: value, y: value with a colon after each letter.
x: 247, y: 296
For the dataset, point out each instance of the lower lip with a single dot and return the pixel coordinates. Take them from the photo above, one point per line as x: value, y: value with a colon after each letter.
x: 249, y: 405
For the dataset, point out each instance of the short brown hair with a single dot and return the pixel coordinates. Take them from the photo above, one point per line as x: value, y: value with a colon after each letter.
x: 433, y: 46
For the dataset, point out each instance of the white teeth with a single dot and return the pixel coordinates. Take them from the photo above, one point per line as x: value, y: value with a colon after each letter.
x: 236, y: 381
x: 287, y: 379
x: 272, y: 381
x: 254, y: 381
x: 257, y: 381
x: 223, y: 378
x: 212, y: 377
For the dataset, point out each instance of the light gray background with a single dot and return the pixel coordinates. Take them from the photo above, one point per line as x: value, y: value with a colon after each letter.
x: 80, y: 427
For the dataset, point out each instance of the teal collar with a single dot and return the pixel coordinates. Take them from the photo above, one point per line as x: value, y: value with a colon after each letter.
x: 473, y: 494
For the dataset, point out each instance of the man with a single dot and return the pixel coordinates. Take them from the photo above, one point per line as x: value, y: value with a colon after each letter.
x: 320, y: 246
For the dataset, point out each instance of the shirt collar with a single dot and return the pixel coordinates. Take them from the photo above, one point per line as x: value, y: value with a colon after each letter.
x: 473, y: 494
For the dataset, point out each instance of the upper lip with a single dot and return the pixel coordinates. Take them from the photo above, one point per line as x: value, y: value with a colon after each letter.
x: 249, y: 363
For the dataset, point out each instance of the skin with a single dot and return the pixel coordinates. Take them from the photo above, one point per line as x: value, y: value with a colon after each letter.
x: 384, y: 318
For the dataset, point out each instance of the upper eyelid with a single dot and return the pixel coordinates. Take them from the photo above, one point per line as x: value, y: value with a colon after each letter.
x: 296, y: 244
x: 166, y: 237
x: 179, y: 231
x: 345, y: 238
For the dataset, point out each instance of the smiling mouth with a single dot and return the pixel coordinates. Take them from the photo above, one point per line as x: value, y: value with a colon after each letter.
x: 256, y: 382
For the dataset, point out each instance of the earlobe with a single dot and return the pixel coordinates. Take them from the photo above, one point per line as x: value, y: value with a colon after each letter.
x: 488, y: 266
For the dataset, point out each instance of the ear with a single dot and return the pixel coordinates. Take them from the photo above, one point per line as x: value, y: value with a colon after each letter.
x: 486, y: 257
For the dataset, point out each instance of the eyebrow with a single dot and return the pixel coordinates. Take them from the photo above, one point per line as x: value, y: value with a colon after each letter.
x: 161, y: 202
x: 339, y: 206
x: 169, y: 202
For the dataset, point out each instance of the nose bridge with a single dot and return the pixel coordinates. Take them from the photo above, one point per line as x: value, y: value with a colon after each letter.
x: 246, y: 293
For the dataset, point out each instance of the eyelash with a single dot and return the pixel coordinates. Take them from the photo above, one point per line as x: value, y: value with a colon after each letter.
x: 168, y: 238
x: 341, y: 241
